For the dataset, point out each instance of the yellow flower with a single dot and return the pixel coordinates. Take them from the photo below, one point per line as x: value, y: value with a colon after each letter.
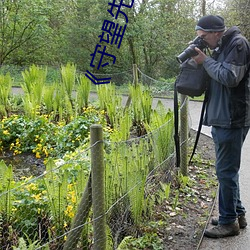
x: 31, y: 187
x: 37, y: 196
x: 73, y: 199
x: 14, y: 209
x: 69, y: 211
x: 38, y: 156
x: 6, y: 132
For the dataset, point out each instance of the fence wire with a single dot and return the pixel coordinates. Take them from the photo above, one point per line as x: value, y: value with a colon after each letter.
x: 43, y: 210
x: 40, y: 211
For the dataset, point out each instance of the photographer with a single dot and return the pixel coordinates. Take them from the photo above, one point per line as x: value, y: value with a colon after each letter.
x: 228, y: 112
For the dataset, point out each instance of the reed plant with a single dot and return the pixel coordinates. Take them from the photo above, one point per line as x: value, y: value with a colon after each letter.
x: 48, y: 98
x: 5, y: 90
x: 56, y: 187
x: 34, y: 80
x: 6, y: 184
x: 110, y: 102
x: 62, y: 106
x: 68, y: 74
x: 126, y: 172
x: 161, y: 132
x: 141, y: 105
x: 122, y: 127
x: 83, y: 91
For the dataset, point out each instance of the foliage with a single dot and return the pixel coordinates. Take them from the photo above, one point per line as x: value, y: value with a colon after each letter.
x: 52, y: 32
x: 83, y: 91
x: 23, y: 25
x: 44, y: 138
x: 147, y: 241
x: 141, y: 99
x: 5, y: 90
x: 68, y: 73
x: 161, y: 126
x: 34, y: 81
x: 46, y: 205
x: 110, y: 102
x: 51, y: 200
x: 6, y: 184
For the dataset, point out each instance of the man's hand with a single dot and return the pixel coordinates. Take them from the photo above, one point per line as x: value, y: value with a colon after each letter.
x: 200, y: 58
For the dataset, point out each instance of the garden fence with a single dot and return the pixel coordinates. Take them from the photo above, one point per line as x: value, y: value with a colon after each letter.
x: 98, y: 204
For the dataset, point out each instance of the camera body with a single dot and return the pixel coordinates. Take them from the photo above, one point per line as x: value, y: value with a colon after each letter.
x: 190, y: 51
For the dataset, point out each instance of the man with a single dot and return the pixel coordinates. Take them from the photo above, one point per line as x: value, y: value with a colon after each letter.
x: 228, y: 112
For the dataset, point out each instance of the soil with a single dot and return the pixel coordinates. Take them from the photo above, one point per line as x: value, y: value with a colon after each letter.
x: 25, y: 164
x: 186, y: 223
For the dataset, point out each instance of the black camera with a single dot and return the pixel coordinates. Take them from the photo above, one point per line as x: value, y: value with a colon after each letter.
x: 190, y: 51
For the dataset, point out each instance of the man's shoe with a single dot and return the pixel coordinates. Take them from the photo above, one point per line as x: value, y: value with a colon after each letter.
x: 221, y: 231
x: 241, y: 219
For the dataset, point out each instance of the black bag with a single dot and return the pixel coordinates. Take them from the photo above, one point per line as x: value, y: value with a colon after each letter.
x: 192, y: 80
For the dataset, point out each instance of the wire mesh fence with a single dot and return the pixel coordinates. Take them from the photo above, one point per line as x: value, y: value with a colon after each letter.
x: 46, y: 210
x: 56, y: 209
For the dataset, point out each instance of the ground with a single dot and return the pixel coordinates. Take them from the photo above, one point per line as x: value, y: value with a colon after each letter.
x: 187, y: 223
x: 180, y: 220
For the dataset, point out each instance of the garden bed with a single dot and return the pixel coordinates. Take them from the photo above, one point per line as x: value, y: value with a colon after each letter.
x: 178, y: 222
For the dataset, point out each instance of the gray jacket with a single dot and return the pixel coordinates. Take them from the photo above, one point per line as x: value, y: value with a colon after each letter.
x: 228, y: 103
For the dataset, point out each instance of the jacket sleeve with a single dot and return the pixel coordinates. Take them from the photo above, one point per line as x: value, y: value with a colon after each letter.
x: 234, y: 66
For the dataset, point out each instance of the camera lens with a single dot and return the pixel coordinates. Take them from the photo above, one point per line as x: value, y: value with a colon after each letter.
x: 187, y: 53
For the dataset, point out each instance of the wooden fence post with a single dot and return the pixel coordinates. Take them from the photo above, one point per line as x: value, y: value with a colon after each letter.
x: 98, y: 194
x: 135, y: 74
x: 184, y: 135
x: 80, y: 218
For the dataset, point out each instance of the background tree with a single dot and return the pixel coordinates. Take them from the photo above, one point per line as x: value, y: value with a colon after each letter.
x: 237, y: 12
x: 21, y: 26
x: 54, y: 32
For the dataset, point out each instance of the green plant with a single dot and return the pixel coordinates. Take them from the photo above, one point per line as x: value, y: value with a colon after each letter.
x: 126, y: 172
x: 176, y: 199
x: 28, y: 244
x: 6, y: 196
x: 33, y: 85
x: 83, y: 91
x: 5, y: 90
x: 147, y: 241
x: 68, y: 74
x: 164, y: 191
x: 48, y: 98
x: 161, y: 128
x: 123, y: 124
x: 30, y: 208
x: 184, y: 181
x: 110, y: 102
x: 141, y: 103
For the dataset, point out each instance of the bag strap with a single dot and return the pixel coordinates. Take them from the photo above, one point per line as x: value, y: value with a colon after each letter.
x: 199, y: 127
x: 176, y: 126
